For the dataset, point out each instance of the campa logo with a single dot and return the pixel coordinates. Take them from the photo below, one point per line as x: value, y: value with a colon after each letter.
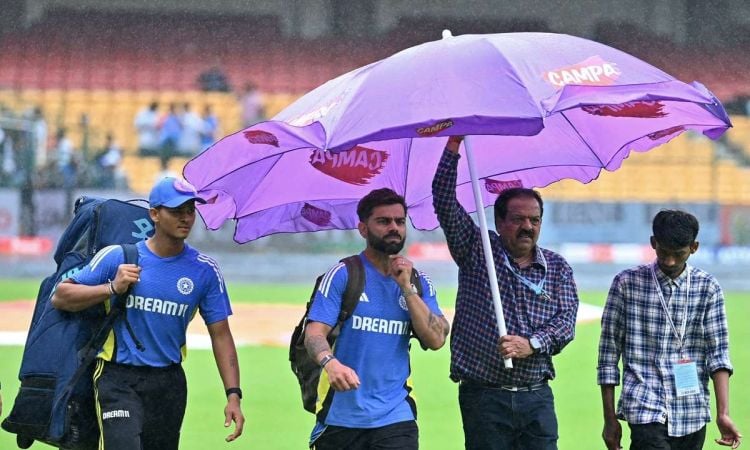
x: 664, y: 133
x: 642, y: 109
x: 432, y: 130
x: 316, y: 215
x: 592, y: 72
x: 356, y: 166
x: 498, y: 186
x: 261, y: 137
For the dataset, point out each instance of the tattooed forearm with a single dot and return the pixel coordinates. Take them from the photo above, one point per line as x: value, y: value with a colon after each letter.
x: 315, y: 345
x: 438, y: 324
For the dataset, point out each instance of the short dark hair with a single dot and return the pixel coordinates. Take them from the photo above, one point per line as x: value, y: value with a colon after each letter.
x: 378, y: 197
x: 501, y: 203
x: 674, y: 228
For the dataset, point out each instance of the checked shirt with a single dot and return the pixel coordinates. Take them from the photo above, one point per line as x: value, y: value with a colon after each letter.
x: 635, y: 328
x: 475, y: 353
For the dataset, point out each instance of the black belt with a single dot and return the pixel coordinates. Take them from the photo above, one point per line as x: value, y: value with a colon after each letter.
x: 507, y: 387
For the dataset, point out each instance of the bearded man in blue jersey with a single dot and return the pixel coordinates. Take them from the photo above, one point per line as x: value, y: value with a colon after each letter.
x: 139, y: 382
x: 368, y: 369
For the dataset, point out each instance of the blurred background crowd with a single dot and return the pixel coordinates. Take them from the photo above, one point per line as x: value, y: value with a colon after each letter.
x: 107, y: 96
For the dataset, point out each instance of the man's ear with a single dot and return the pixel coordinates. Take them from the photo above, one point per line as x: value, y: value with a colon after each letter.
x: 653, y: 242
x: 362, y: 227
x: 694, y: 247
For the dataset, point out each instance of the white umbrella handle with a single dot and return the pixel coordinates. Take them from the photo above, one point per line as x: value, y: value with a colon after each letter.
x: 488, y: 259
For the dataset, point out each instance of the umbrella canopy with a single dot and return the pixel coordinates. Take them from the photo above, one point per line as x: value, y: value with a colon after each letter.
x: 540, y: 107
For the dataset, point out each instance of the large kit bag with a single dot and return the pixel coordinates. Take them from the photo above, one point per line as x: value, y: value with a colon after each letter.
x: 304, y: 367
x: 55, y: 403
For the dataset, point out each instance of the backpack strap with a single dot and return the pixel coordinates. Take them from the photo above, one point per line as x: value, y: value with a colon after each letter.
x: 355, y: 286
x: 131, y: 257
x: 416, y: 281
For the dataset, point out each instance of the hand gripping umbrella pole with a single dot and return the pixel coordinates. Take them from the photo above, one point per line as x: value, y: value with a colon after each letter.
x: 488, y: 259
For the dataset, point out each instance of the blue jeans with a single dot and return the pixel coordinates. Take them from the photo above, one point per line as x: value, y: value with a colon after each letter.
x: 497, y: 419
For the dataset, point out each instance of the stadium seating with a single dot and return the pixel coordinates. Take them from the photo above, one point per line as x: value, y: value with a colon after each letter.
x: 109, y: 66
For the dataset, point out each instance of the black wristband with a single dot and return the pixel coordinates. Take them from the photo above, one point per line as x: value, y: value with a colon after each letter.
x: 326, y: 359
x: 234, y: 390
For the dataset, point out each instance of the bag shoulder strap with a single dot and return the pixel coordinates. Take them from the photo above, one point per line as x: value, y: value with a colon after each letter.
x: 416, y: 280
x: 355, y: 286
x: 131, y: 253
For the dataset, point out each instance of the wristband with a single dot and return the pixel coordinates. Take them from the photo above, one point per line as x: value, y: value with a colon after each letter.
x: 112, y: 288
x: 234, y: 390
x: 326, y: 359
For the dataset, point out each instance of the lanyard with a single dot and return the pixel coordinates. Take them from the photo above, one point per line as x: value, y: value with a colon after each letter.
x: 681, y: 334
x: 538, y: 288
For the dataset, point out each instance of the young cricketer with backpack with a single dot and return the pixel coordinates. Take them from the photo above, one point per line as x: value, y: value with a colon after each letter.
x: 140, y: 386
x: 364, y: 399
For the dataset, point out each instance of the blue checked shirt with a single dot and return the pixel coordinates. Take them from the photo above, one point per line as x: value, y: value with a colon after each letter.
x: 475, y: 338
x: 635, y: 328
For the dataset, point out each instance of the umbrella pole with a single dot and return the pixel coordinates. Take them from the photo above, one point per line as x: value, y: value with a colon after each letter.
x: 488, y: 259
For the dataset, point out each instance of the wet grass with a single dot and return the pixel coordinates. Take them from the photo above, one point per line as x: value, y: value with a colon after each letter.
x: 276, y: 420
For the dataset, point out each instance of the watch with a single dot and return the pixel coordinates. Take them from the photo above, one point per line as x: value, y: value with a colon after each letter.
x: 536, y: 346
x: 412, y: 290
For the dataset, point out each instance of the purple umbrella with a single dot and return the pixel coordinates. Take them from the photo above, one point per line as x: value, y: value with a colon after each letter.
x: 538, y: 107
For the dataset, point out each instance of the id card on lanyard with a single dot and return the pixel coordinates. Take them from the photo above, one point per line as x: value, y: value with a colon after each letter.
x: 537, y: 288
x: 684, y: 371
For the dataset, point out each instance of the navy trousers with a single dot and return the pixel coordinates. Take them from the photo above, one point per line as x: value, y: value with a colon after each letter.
x: 653, y: 436
x: 498, y: 419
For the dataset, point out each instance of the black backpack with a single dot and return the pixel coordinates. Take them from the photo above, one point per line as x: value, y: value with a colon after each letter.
x: 306, y: 368
x: 55, y: 403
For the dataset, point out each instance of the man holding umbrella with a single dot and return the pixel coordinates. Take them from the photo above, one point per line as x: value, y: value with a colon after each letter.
x: 505, y: 408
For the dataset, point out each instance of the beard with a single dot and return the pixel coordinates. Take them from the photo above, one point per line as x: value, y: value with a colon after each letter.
x: 381, y: 245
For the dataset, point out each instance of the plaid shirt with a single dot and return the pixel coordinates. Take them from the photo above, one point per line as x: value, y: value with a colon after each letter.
x: 635, y: 327
x: 474, y: 338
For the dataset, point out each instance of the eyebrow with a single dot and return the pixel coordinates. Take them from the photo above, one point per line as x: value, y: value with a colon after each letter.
x: 389, y: 218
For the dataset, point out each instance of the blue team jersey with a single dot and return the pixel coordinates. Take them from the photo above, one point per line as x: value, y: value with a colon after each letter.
x: 161, y: 305
x: 374, y: 342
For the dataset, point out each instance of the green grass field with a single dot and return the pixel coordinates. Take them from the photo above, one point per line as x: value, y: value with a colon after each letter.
x: 276, y: 420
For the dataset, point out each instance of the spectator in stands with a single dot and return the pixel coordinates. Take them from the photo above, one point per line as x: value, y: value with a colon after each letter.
x: 189, y: 143
x: 170, y: 132
x: 67, y: 160
x: 667, y: 322
x: 108, y: 161
x: 7, y: 161
x: 147, y: 125
x: 210, y: 127
x: 40, y: 135
x: 214, y: 80
x: 251, y: 105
